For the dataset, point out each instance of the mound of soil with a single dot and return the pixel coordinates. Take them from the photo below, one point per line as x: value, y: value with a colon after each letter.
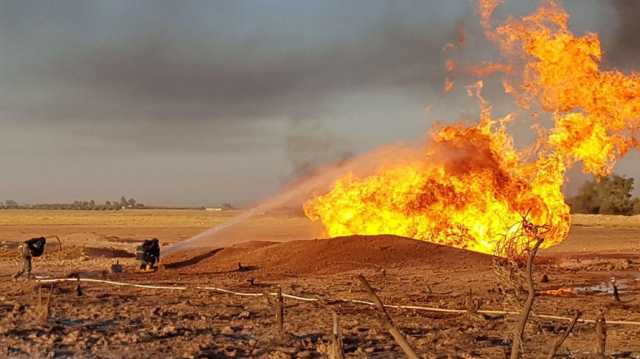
x: 325, y: 256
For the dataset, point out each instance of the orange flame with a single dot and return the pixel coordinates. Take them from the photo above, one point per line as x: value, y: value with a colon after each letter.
x: 471, y: 186
x: 450, y: 65
x: 448, y: 85
x: 486, y: 9
x: 468, y: 190
x: 596, y: 112
x: 489, y: 69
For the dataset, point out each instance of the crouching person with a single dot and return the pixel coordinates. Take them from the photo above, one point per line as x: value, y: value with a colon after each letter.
x: 33, y: 247
x: 148, y: 254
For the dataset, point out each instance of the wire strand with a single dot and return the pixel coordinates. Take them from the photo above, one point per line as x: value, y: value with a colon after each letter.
x: 311, y: 299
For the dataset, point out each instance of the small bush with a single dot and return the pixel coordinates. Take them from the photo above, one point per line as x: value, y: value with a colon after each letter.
x: 607, y: 195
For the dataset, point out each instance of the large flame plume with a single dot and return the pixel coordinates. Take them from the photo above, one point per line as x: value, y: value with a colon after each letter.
x: 470, y: 187
x: 596, y: 112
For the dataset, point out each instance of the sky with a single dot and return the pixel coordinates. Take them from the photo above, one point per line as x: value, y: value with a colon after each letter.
x: 189, y: 103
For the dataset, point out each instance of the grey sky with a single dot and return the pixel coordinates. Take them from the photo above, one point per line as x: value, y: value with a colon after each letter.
x: 201, y: 102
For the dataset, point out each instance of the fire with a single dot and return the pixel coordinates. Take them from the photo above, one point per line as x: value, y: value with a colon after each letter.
x: 489, y: 69
x: 450, y: 66
x: 596, y: 112
x: 583, y: 138
x: 486, y: 9
x: 470, y: 186
x: 468, y: 190
x: 448, y: 85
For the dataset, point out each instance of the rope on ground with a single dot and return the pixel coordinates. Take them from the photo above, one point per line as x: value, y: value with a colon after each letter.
x: 306, y: 299
x: 121, y: 284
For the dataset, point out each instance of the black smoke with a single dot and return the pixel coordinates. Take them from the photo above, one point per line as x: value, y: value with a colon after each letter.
x: 624, y: 47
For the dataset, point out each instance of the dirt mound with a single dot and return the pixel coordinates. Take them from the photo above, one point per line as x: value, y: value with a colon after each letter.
x: 324, y: 256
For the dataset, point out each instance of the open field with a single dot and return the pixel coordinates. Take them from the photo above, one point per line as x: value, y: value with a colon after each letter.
x: 113, y: 321
x: 125, y: 218
x: 169, y: 226
x: 594, y: 220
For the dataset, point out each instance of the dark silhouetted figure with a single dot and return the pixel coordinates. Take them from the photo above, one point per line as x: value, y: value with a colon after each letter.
x: 148, y: 254
x: 33, y: 247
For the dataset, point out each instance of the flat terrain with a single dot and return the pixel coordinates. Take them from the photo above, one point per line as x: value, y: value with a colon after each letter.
x: 277, y: 250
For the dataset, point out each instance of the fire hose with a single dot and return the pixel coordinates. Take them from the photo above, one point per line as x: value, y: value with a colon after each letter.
x: 308, y: 299
x: 59, y: 241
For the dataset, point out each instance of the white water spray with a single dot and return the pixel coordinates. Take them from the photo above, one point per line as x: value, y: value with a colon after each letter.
x: 297, y: 193
x: 302, y: 189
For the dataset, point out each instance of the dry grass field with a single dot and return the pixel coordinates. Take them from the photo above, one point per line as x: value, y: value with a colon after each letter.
x: 125, y: 218
x: 168, y: 225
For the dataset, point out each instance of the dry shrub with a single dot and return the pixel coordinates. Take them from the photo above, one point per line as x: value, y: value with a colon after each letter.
x: 510, y: 282
x: 510, y: 262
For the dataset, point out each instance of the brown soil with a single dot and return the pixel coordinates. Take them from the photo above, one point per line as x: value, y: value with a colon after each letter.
x: 110, y: 321
x: 326, y: 256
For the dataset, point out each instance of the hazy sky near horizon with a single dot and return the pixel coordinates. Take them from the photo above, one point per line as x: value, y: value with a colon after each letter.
x: 204, y: 102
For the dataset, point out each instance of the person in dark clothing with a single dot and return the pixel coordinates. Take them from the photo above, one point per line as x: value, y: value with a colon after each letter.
x: 148, y: 254
x: 33, y: 247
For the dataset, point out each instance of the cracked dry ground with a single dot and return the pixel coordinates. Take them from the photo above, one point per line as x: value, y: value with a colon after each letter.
x: 112, y: 322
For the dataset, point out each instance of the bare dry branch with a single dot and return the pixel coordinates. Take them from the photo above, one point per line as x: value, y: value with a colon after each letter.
x: 387, y: 322
x: 526, y: 311
x: 59, y: 241
x: 558, y: 343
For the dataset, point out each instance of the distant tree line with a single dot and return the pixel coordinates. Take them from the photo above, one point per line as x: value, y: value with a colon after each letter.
x: 123, y: 203
x: 607, y: 195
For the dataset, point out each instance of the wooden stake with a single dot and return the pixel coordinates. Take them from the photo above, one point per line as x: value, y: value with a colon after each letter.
x: 336, y: 350
x: 280, y: 311
x: 47, y: 307
x: 558, y: 343
x: 387, y: 322
x: 616, y: 294
x: 277, y: 305
x: 518, y: 334
x: 472, y: 305
x: 601, y: 334
x: 78, y: 288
